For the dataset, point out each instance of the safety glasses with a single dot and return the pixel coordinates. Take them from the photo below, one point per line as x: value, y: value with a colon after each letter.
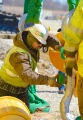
x: 38, y: 42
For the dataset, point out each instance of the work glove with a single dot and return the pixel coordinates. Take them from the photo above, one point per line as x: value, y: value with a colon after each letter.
x: 70, y: 60
x: 52, y: 82
x: 51, y: 42
x: 64, y: 53
x: 61, y: 78
x: 69, y: 65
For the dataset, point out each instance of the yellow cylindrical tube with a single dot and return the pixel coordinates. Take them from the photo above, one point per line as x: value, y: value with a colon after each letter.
x: 12, y: 108
x: 65, y: 102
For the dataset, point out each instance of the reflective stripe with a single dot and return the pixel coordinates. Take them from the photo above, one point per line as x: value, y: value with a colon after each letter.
x: 71, y: 49
x: 14, y: 48
x: 10, y: 73
x: 11, y: 88
x: 73, y: 28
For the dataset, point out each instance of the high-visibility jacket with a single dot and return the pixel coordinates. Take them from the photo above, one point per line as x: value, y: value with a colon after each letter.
x: 59, y: 36
x: 73, y: 28
x: 8, y: 73
x: 80, y: 59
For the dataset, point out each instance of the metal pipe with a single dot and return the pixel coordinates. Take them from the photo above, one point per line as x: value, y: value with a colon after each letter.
x: 65, y: 102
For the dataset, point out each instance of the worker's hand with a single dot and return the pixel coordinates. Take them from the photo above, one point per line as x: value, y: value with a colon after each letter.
x: 58, y: 47
x: 52, y: 82
x: 67, y: 54
x: 62, y: 53
x: 52, y: 42
x: 70, y: 62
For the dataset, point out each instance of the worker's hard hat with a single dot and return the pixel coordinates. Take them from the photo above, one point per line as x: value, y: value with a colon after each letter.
x: 39, y: 31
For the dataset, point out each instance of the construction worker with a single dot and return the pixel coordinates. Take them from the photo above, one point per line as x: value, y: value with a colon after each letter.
x: 18, y: 69
x: 73, y: 36
x: 32, y: 10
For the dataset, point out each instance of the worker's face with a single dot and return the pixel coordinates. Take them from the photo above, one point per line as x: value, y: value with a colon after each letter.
x: 36, y: 44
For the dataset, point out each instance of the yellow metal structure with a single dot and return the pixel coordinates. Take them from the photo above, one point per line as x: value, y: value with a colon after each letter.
x: 76, y: 83
x: 58, y: 63
x: 71, y: 87
x: 12, y: 108
x: 59, y: 37
x: 56, y: 60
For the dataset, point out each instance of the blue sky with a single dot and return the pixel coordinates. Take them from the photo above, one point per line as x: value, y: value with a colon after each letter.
x: 0, y: 1
x: 62, y: 1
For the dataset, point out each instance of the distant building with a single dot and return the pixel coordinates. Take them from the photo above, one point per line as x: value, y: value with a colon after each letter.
x: 1, y: 4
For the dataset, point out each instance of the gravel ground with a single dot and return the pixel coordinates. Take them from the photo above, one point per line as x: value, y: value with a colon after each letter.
x: 50, y: 94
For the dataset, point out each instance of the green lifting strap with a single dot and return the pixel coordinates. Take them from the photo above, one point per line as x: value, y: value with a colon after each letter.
x: 36, y: 102
x: 78, y: 118
x: 62, y: 53
x: 26, y: 4
x: 77, y: 1
x: 33, y: 10
x: 72, y: 4
x: 61, y: 78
